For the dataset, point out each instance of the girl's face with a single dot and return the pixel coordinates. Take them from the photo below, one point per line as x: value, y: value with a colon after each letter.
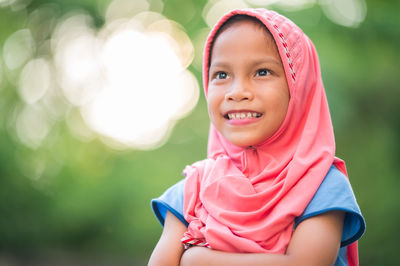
x: 248, y: 95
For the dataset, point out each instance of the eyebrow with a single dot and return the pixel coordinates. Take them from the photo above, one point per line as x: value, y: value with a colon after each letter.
x: 253, y: 62
x: 218, y: 64
x: 267, y: 60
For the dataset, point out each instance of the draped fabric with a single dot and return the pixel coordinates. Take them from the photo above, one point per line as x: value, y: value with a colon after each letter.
x: 245, y: 199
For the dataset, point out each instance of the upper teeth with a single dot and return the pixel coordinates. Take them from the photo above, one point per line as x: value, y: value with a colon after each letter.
x: 243, y: 115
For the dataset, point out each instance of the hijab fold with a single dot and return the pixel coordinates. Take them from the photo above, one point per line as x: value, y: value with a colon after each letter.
x: 245, y: 199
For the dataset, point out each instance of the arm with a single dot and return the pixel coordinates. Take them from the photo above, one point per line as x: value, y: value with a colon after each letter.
x: 169, y: 248
x: 316, y: 241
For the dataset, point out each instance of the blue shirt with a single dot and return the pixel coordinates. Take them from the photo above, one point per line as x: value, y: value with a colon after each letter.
x: 334, y: 193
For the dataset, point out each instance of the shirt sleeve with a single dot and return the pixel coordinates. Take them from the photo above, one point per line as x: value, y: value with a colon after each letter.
x: 335, y: 193
x: 171, y: 200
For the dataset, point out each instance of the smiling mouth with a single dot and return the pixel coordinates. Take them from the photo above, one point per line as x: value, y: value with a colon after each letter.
x: 242, y: 115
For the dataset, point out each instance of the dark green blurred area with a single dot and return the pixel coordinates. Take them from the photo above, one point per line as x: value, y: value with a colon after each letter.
x: 91, y: 204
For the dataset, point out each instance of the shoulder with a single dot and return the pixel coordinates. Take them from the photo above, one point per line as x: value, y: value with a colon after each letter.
x: 171, y: 200
x: 336, y: 194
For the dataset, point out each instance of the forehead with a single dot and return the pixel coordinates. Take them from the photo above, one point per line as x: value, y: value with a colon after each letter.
x: 249, y: 33
x: 239, y: 19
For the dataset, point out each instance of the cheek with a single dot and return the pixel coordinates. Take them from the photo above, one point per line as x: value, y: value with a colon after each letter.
x: 211, y: 109
x: 285, y: 101
x: 213, y: 105
x: 282, y: 108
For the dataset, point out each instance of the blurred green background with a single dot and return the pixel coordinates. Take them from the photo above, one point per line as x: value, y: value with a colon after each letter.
x: 76, y: 199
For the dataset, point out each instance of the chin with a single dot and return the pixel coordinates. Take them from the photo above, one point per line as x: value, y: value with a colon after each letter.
x: 242, y: 143
x: 245, y: 141
x: 245, y: 138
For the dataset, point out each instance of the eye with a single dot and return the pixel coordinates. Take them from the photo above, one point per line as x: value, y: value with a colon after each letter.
x: 221, y: 75
x: 263, y: 72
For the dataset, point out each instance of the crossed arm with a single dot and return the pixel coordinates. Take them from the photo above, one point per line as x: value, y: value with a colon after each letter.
x: 316, y: 241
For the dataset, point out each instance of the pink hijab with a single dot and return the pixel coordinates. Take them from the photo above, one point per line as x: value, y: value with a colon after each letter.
x: 245, y: 199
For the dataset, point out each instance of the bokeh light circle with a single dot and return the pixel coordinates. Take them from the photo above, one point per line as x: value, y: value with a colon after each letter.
x: 129, y: 79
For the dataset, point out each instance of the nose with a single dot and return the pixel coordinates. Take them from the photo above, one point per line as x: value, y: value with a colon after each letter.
x: 239, y: 91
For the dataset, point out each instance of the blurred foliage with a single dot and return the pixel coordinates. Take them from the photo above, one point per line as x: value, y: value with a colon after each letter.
x: 80, y: 201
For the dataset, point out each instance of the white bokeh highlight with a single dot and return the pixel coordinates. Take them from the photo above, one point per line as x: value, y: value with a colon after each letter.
x: 215, y: 9
x: 34, y: 80
x: 18, y: 49
x: 348, y: 13
x: 32, y: 126
x: 129, y: 79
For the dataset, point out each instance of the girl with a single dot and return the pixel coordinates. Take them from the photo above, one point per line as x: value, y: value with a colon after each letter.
x: 271, y: 191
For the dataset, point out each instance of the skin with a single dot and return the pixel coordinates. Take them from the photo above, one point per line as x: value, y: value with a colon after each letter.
x: 169, y: 249
x: 248, y: 76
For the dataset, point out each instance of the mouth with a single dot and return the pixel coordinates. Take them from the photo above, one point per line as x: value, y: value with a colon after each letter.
x: 239, y: 115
